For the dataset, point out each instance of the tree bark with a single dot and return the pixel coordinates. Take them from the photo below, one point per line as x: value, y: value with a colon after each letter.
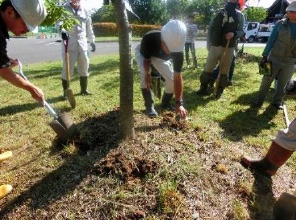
x: 126, y: 70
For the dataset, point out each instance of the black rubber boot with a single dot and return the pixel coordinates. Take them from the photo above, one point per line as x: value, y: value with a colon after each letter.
x: 83, y: 85
x: 65, y: 87
x: 149, y: 103
x: 222, y: 84
x: 202, y: 90
x: 166, y: 102
x: 205, y: 79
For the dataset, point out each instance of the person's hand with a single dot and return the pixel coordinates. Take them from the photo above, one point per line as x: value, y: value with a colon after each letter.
x: 264, y: 59
x: 93, y: 47
x: 229, y: 35
x: 65, y: 35
x: 180, y: 110
x: 148, y: 81
x: 13, y: 63
x: 37, y: 94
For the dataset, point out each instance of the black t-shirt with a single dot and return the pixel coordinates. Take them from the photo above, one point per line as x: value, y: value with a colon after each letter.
x: 4, y: 60
x: 151, y: 47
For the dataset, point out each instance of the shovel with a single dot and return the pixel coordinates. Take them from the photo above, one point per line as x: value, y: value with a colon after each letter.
x: 286, y: 117
x: 69, y: 92
x: 62, y: 124
x: 221, y: 64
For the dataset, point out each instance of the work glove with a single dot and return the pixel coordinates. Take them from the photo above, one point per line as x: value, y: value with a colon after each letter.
x: 93, y: 47
x: 65, y: 35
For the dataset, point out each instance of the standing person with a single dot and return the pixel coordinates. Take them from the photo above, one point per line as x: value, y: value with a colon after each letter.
x: 192, y: 32
x: 157, y: 48
x: 19, y: 17
x: 280, y: 50
x: 215, y: 72
x: 78, y: 47
x: 227, y: 25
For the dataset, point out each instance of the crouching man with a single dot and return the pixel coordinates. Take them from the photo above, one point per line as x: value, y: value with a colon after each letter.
x: 159, y: 47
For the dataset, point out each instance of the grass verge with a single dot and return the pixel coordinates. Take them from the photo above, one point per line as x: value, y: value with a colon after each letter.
x: 164, y: 173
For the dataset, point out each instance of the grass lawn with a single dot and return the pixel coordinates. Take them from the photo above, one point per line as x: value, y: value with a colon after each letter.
x: 188, y: 170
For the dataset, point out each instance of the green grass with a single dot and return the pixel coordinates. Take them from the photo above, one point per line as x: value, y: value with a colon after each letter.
x: 57, y: 181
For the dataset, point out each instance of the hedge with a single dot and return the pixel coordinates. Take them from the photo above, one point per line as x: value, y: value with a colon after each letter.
x: 108, y: 29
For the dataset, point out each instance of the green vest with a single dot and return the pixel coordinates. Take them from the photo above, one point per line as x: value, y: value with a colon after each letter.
x: 284, y: 48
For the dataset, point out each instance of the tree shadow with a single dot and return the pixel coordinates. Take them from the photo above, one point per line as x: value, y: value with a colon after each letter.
x: 262, y: 201
x: 98, y: 136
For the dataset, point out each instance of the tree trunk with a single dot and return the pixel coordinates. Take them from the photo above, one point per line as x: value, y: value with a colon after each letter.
x: 126, y: 70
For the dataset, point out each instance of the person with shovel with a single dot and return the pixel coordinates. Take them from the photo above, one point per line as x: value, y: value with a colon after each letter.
x: 18, y: 17
x: 158, y: 48
x: 77, y: 46
x: 224, y: 29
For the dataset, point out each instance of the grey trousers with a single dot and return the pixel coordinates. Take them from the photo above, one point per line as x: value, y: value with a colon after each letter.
x: 283, y: 72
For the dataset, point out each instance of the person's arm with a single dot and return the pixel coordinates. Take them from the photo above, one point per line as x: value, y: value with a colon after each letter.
x: 209, y: 35
x: 240, y: 29
x: 178, y: 60
x: 18, y: 81
x: 271, y: 40
x: 178, y: 91
x: 90, y: 34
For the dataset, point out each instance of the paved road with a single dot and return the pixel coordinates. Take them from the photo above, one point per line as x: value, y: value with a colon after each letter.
x: 31, y: 50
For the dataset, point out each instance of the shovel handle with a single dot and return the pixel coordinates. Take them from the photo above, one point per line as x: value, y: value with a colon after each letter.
x: 51, y: 111
x: 287, y: 121
x: 220, y: 67
x: 47, y: 106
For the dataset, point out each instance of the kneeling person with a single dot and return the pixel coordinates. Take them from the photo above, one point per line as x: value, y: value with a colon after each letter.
x: 158, y: 48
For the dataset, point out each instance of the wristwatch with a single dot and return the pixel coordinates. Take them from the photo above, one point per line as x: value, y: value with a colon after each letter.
x: 179, y: 102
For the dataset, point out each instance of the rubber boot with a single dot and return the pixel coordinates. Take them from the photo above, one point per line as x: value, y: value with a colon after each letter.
x: 222, y: 84
x: 4, y: 190
x: 83, y: 85
x: 149, y: 103
x: 202, y: 90
x: 65, y: 87
x: 166, y: 102
x: 275, y: 158
x: 205, y: 79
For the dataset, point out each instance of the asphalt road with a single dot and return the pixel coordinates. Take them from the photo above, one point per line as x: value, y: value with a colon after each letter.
x: 31, y: 50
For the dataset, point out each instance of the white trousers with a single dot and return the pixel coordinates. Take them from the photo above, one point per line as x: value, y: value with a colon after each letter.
x: 286, y: 138
x: 164, y: 67
x: 81, y: 57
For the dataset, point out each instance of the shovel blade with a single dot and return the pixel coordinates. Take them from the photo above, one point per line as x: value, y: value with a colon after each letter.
x: 71, y: 97
x: 64, y: 127
x: 59, y: 130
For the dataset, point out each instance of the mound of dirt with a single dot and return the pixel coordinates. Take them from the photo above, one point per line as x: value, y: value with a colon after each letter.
x: 125, y: 168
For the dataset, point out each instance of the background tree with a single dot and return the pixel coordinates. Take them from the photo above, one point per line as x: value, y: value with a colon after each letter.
x: 204, y: 10
x: 104, y: 14
x: 255, y: 14
x: 177, y: 8
x: 149, y: 11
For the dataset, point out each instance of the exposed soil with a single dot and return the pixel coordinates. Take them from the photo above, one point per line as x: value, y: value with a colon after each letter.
x: 167, y: 172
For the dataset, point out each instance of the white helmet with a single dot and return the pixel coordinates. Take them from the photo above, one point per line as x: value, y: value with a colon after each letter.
x: 33, y: 12
x: 173, y: 34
